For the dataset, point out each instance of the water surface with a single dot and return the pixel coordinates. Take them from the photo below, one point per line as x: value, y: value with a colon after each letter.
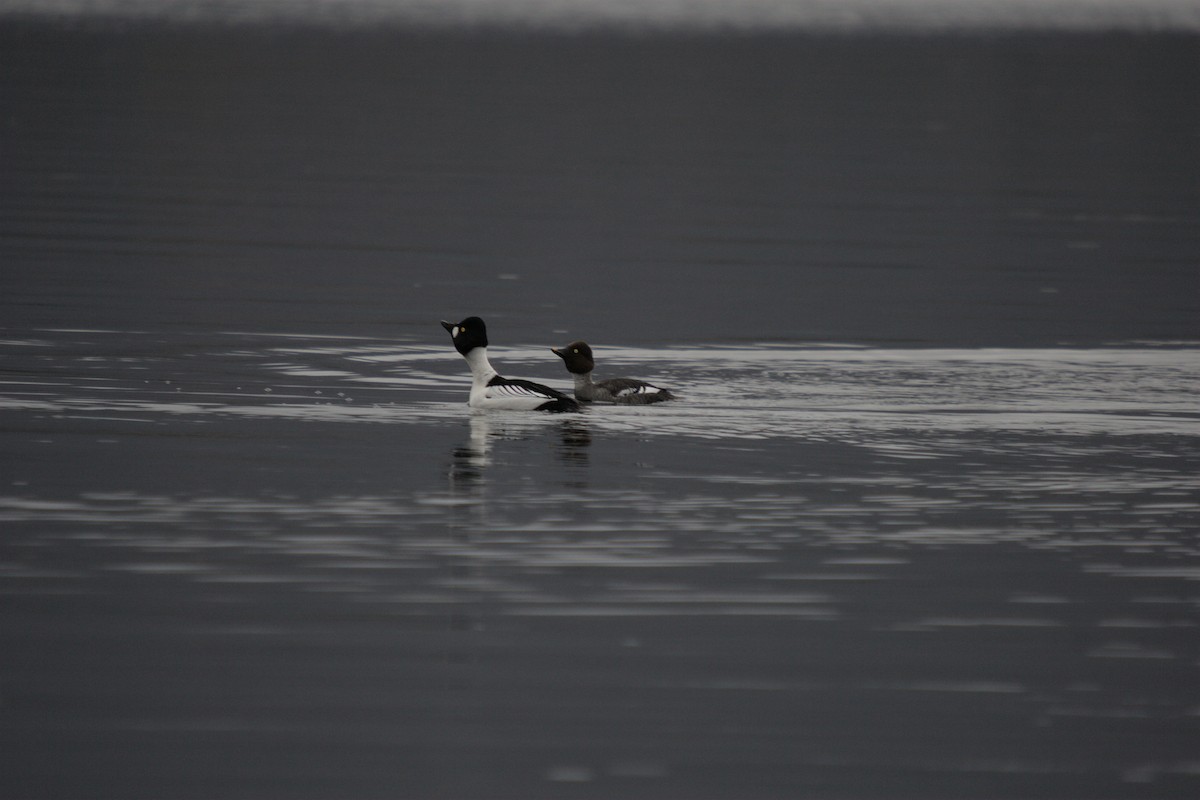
x: 921, y: 524
x: 777, y: 581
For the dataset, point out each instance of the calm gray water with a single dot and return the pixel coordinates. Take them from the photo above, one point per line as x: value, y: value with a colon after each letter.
x: 922, y: 524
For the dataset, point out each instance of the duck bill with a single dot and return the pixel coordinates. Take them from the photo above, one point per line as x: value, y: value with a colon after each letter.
x: 449, y: 326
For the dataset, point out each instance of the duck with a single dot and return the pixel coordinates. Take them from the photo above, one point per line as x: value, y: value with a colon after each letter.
x: 578, y: 359
x: 491, y: 391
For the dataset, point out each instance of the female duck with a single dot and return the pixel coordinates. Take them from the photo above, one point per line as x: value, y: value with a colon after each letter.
x: 577, y: 356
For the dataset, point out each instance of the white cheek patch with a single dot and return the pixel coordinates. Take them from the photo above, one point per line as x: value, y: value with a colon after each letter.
x: 457, y: 330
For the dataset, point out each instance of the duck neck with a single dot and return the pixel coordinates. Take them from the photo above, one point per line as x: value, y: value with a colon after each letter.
x: 481, y: 369
x: 583, y: 380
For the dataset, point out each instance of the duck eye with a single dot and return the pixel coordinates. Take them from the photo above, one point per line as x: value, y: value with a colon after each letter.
x: 576, y: 350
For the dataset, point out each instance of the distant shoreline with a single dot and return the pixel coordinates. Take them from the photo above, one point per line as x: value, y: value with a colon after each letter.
x: 646, y: 17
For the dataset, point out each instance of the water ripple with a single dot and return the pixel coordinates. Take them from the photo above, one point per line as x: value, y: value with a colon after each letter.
x: 905, y: 404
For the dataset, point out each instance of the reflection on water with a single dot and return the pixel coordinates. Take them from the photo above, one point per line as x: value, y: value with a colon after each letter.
x: 473, y: 457
x: 838, y: 539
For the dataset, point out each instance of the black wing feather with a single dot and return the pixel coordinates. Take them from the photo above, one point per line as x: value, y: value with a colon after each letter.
x: 555, y: 400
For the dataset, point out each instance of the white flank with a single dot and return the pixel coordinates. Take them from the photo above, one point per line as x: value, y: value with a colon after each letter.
x: 504, y: 397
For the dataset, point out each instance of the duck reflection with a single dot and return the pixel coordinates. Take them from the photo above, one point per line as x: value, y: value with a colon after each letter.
x: 471, y: 460
x: 467, y: 513
x: 575, y: 439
